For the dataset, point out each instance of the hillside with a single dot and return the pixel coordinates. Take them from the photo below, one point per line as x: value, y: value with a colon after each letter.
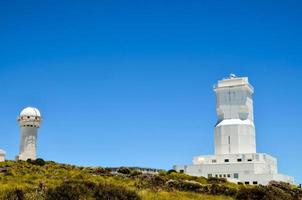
x: 39, y: 180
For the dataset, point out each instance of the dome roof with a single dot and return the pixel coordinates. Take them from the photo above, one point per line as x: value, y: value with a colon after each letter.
x: 2, y: 152
x: 30, y: 111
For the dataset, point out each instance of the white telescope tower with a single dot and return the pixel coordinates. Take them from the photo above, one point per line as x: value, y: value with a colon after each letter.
x: 29, y: 122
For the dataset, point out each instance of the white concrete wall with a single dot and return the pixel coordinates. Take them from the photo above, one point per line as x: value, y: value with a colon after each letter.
x: 235, y: 137
x: 234, y: 131
x: 2, y: 157
x: 28, y: 144
x: 258, y: 167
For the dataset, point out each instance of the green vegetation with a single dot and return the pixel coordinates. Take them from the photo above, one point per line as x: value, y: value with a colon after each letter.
x: 40, y: 180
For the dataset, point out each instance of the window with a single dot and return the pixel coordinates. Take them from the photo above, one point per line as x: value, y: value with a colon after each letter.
x: 239, y: 160
x: 249, y: 160
x: 181, y: 171
x: 239, y: 183
x: 214, y: 161
x: 209, y: 175
x: 229, y: 175
x: 246, y: 183
x: 216, y: 175
x: 224, y: 175
x: 226, y: 160
x: 236, y: 175
x: 255, y: 182
x: 220, y: 176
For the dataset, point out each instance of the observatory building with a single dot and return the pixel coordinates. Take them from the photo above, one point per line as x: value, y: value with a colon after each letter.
x: 2, y: 155
x: 29, y: 122
x: 235, y: 156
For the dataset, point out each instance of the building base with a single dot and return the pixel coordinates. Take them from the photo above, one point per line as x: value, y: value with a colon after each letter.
x: 254, y: 168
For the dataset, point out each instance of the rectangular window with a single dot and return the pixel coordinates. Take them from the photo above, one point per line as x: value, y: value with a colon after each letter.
x: 214, y: 161
x: 239, y: 160
x: 226, y: 160
x: 220, y: 176
x: 209, y: 175
x: 181, y: 171
x: 236, y: 175
x: 255, y: 182
x: 224, y: 175
x: 229, y: 175
x: 246, y: 183
x: 249, y: 160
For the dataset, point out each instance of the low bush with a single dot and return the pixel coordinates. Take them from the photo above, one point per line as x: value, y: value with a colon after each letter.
x: 213, y: 180
x: 38, y: 161
x: 75, y: 190
x: 14, y: 194
x: 171, y: 171
x: 184, y: 185
x: 219, y: 189
x: 124, y: 170
x: 135, y: 173
x: 269, y: 192
x: 112, y: 192
x: 250, y: 193
x: 150, y: 181
x: 101, y: 171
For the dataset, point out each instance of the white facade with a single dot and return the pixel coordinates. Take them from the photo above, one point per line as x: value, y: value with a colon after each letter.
x: 235, y: 131
x: 235, y: 147
x: 29, y: 122
x: 2, y: 155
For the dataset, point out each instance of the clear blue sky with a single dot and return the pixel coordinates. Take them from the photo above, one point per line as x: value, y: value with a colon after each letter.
x: 122, y: 83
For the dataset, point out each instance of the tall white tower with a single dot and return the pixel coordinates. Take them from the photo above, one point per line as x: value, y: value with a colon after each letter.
x: 235, y: 155
x: 234, y: 131
x: 29, y: 122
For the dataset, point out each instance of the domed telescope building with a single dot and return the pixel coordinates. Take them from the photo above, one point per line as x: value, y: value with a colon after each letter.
x: 29, y: 122
x: 235, y: 155
x: 2, y: 155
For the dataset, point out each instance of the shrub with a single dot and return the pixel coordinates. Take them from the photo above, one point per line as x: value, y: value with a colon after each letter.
x: 71, y: 190
x: 184, y: 185
x: 75, y: 190
x: 112, y: 192
x: 101, y: 170
x: 218, y: 189
x: 263, y: 193
x: 135, y: 173
x: 171, y: 171
x: 213, y: 180
x: 257, y: 192
x: 124, y: 170
x: 39, y: 161
x: 14, y: 194
x: 150, y: 181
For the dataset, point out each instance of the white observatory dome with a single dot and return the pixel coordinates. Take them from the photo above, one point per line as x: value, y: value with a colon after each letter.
x: 30, y: 111
x: 2, y: 152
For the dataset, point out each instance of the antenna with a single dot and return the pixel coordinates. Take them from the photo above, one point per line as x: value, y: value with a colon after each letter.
x: 232, y: 76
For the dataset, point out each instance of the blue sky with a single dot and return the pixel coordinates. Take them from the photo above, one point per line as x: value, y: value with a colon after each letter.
x: 130, y: 82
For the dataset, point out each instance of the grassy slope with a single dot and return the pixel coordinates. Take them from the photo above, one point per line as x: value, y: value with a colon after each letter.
x: 28, y: 176
x: 177, y: 195
x: 36, y: 181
